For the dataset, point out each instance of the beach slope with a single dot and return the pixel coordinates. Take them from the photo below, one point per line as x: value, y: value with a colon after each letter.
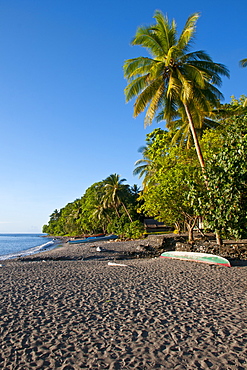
x: 68, y: 309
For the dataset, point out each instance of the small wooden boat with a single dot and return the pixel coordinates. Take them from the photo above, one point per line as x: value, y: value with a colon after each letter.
x: 92, y: 239
x: 212, y: 259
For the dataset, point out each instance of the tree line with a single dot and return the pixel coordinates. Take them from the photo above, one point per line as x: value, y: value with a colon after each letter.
x: 108, y: 206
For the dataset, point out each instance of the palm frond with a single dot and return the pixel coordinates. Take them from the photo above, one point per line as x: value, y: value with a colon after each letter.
x: 174, y: 87
x: 243, y: 62
x: 153, y: 106
x: 212, y: 70
x: 147, y: 38
x: 137, y: 66
x: 146, y: 96
x: 192, y: 73
x: 196, y: 55
x: 135, y: 87
x: 188, y: 32
x: 185, y: 87
x: 166, y: 32
x: 169, y: 113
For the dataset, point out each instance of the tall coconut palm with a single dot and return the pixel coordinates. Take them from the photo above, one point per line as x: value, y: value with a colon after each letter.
x: 173, y: 78
x: 115, y: 192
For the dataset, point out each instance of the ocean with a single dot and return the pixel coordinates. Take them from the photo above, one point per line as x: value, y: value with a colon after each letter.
x: 18, y: 245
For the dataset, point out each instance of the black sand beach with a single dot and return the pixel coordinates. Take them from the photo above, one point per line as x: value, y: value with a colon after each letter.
x: 59, y: 311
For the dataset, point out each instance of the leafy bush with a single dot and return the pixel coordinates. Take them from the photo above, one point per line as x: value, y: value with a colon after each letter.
x: 133, y: 230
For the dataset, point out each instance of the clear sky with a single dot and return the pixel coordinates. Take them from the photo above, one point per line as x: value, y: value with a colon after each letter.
x: 64, y: 120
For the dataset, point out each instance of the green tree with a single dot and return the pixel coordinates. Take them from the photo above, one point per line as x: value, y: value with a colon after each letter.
x: 157, y: 142
x: 143, y: 167
x: 102, y: 215
x: 90, y: 220
x: 166, y: 196
x: 181, y: 133
x: 236, y: 108
x: 135, y: 191
x: 95, y: 211
x: 173, y: 81
x: 224, y: 205
x: 115, y: 193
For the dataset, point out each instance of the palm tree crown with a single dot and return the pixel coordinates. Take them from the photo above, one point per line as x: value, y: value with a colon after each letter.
x: 173, y: 82
x: 115, y: 192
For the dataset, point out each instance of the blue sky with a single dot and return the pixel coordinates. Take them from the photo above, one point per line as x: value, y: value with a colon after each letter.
x: 63, y: 117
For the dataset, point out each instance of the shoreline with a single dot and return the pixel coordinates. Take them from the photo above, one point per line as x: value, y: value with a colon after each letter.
x: 153, y: 246
x: 68, y: 309
x: 23, y: 246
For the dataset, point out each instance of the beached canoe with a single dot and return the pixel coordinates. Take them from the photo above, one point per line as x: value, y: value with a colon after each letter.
x: 197, y: 257
x: 92, y: 239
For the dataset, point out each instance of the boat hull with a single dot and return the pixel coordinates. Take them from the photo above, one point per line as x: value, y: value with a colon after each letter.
x: 92, y: 239
x: 211, y: 259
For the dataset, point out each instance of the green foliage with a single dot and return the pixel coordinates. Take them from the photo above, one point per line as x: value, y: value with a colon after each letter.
x: 133, y: 230
x: 172, y: 75
x: 126, y: 229
x: 166, y: 195
x: 106, y: 206
x: 176, y: 192
x: 157, y: 146
x: 236, y: 108
x: 224, y: 205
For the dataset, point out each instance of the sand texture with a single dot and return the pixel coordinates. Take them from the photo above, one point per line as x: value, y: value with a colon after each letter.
x: 59, y: 311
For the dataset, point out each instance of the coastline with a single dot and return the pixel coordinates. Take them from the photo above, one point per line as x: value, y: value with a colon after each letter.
x: 66, y: 308
x: 17, y: 245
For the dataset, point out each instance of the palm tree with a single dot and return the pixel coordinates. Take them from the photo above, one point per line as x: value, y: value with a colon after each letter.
x: 173, y: 78
x: 182, y: 133
x: 115, y: 192
x: 100, y: 213
x: 144, y: 167
x: 243, y: 62
x: 135, y: 190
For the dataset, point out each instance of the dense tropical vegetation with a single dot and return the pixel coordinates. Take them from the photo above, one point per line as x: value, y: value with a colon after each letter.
x: 195, y: 169
x: 108, y: 206
x: 224, y: 204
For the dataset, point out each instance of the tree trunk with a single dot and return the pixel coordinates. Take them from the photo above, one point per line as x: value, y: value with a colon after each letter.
x: 116, y: 210
x: 218, y: 238
x: 195, y: 138
x: 190, y: 224
x: 177, y: 225
x: 127, y: 212
x: 190, y: 232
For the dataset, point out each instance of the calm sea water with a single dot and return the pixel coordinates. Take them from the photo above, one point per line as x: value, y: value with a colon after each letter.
x: 17, y: 245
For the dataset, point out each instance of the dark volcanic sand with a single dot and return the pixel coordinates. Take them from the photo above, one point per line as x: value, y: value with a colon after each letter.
x: 153, y: 314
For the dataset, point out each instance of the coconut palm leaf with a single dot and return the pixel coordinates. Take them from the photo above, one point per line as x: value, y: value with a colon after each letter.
x: 243, y: 62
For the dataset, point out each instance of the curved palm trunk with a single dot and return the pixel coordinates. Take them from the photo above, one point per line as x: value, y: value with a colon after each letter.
x: 201, y: 160
x: 195, y: 138
x: 116, y: 210
x: 127, y: 212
